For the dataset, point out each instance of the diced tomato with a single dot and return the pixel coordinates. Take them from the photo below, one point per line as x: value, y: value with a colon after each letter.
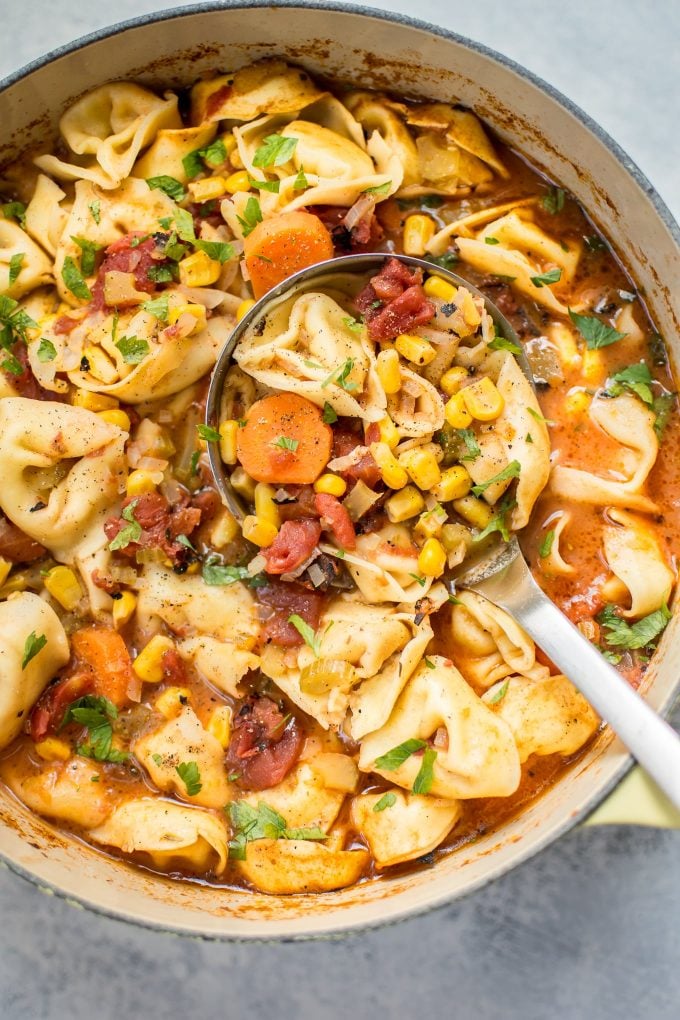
x: 287, y: 598
x: 64, y: 324
x: 301, y: 506
x: 161, y: 525
x: 174, y: 668
x: 335, y: 518
x: 394, y: 301
x: 49, y: 711
x: 264, y: 746
x: 292, y: 546
x: 125, y: 257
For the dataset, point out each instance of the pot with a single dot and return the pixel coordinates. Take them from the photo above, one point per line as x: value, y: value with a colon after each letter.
x: 417, y: 59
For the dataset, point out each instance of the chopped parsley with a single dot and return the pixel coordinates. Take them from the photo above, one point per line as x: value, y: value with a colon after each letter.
x: 190, y: 775
x: 499, y: 693
x: 307, y: 633
x: 499, y: 522
x: 274, y: 151
x: 539, y: 417
x: 491, y: 240
x: 214, y: 155
x: 545, y: 279
x: 262, y: 822
x: 96, y: 211
x: 32, y: 645
x: 131, y: 533
x: 170, y: 186
x: 272, y: 186
x: 473, y: 448
x: 160, y: 274
x: 16, y: 263
x: 12, y: 365
x: 286, y: 443
x: 14, y: 211
x: 252, y: 215
x: 184, y: 224
x: 73, y: 278
x: 387, y: 800
x: 329, y: 416
x: 339, y: 376
x: 511, y: 471
x: 631, y: 636
x: 88, y: 254
x: 395, y: 758
x: 300, y: 182
x: 208, y: 433
x: 218, y: 251
x: 14, y: 322
x: 596, y: 333
x: 133, y: 349
x: 636, y: 378
x: 96, y: 714
x: 423, y: 782
x: 378, y: 189
x: 547, y: 544
x: 500, y: 343
x: 662, y: 407
x: 215, y: 573
x: 553, y: 201
x: 158, y: 307
x: 46, y: 350
x: 422, y: 581
x: 356, y: 325
x: 445, y: 261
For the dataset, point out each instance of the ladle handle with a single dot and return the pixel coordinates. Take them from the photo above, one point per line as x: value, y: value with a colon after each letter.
x: 649, y: 738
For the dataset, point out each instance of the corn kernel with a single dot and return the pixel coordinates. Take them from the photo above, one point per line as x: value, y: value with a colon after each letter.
x: 576, y: 401
x: 455, y: 483
x: 207, y: 189
x: 593, y: 367
x: 391, y: 471
x: 198, y: 312
x: 14, y: 583
x: 101, y: 366
x: 418, y: 232
x: 244, y: 308
x: 228, y: 434
x: 422, y: 467
x: 141, y: 481
x: 199, y: 270
x: 116, y: 417
x: 389, y: 433
x: 53, y: 749
x: 240, y: 181
x: 171, y: 701
x: 469, y: 309
x: 243, y: 484
x: 149, y: 663
x: 123, y: 608
x: 224, y: 530
x: 415, y: 349
x: 219, y: 725
x: 93, y: 401
x: 331, y: 485
x: 265, y: 507
x: 456, y: 412
x: 5, y: 567
x: 473, y: 510
x: 64, y: 586
x: 432, y: 559
x: 435, y: 287
x: 193, y: 568
x: 404, y: 505
x: 259, y: 532
x: 389, y: 373
x: 483, y: 400
x: 452, y: 380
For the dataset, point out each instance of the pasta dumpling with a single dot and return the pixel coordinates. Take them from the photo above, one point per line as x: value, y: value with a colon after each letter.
x: 164, y: 156
x: 45, y: 217
x: 286, y: 866
x: 23, y: 264
x: 269, y: 86
x: 634, y: 556
x: 73, y: 791
x: 408, y: 828
x: 384, y: 566
x: 303, y: 799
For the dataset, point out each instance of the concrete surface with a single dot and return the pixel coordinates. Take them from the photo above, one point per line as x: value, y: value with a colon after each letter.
x: 591, y: 927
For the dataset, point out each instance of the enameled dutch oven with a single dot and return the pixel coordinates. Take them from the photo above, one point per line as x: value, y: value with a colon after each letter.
x: 409, y: 57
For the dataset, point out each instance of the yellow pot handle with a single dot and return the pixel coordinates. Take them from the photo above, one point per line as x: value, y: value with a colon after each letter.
x: 636, y: 801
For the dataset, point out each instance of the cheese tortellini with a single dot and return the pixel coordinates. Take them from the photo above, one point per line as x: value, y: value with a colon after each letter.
x: 409, y: 827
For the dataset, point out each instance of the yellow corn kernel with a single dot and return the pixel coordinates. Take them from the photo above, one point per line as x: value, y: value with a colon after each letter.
x: 123, y: 608
x: 116, y: 417
x: 219, y: 725
x: 456, y: 412
x: 391, y: 471
x: 53, y: 749
x: 418, y: 232
x: 243, y: 484
x: 389, y: 433
x: 228, y: 434
x: 432, y: 559
x: 224, y: 530
x: 593, y: 367
x: 5, y: 567
x: 149, y: 663
x: 244, y: 308
x: 207, y: 189
x: 171, y: 701
x: 415, y: 349
x: 435, y: 287
x: 455, y: 483
x: 199, y: 270
x: 422, y: 467
x: 331, y: 485
x: 452, y: 380
x: 64, y: 586
x: 265, y: 507
x: 198, y: 312
x: 404, y: 505
x: 259, y: 532
x: 389, y: 373
x: 473, y: 510
x: 483, y: 400
x: 577, y: 401
x: 240, y: 181
x: 193, y: 568
x: 229, y: 142
x: 469, y: 309
x: 15, y: 583
x: 141, y: 481
x: 93, y: 401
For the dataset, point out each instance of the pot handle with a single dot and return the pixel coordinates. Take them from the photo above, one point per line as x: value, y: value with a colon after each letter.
x: 636, y: 801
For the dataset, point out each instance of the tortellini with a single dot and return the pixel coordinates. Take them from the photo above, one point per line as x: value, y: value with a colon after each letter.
x: 170, y: 835
x: 269, y: 86
x: 285, y: 866
x: 108, y: 128
x: 408, y: 828
x: 46, y: 219
x: 23, y: 264
x: 64, y: 468
x: 634, y: 556
x: 74, y: 791
x: 417, y: 409
x: 384, y: 566
x: 164, y: 156
x: 21, y: 616
x: 546, y: 716
x: 478, y: 757
x: 302, y: 799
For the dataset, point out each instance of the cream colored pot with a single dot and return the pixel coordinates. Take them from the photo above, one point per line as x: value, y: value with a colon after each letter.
x: 413, y: 58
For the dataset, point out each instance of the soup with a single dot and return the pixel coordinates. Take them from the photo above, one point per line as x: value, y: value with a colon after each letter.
x: 304, y: 700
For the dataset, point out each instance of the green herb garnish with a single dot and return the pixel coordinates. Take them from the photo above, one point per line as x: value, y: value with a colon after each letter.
x: 395, y: 758
x: 498, y: 694
x: 133, y: 349
x: 307, y: 633
x: 131, y: 533
x: 252, y: 215
x: 170, y: 186
x: 553, y: 201
x: 547, y: 544
x: 339, y: 376
x: 208, y: 433
x: 16, y: 263
x: 423, y: 782
x: 73, y: 279
x: 636, y: 635
x: 329, y: 416
x: 158, y: 307
x: 511, y: 471
x: 387, y: 800
x: 545, y: 279
x: 274, y: 151
x: 596, y: 333
x: 46, y: 350
x: 190, y: 775
x: 286, y: 443
x: 499, y: 343
x: 32, y: 645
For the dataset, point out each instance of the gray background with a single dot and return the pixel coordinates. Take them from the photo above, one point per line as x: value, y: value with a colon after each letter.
x: 591, y: 927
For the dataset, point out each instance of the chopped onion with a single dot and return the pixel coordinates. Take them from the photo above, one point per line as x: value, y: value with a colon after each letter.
x: 364, y: 205
x: 322, y: 675
x: 360, y: 500
x: 316, y: 575
x: 342, y: 463
x: 206, y: 296
x: 257, y: 565
x: 294, y: 574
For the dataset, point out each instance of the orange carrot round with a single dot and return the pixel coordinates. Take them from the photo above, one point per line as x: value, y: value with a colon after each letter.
x: 103, y: 652
x: 282, y: 245
x: 284, y: 441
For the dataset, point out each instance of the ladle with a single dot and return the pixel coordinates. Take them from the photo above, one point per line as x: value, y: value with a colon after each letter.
x: 501, y: 574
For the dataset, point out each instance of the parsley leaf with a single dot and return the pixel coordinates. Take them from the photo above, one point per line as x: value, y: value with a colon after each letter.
x: 307, y: 633
x: 596, y: 333
x: 663, y: 407
x: 499, y: 522
x: 422, y: 581
x: 547, y: 544
x: 46, y: 350
x: 499, y: 693
x: 274, y: 151
x: 88, y: 257
x: 218, y: 251
x: 511, y: 471
x: 553, y: 201
x: 14, y: 211
x: 329, y: 416
x: 638, y: 635
x: 190, y: 775
x: 398, y: 755
x: 95, y: 211
x: 339, y: 377
x: 32, y: 645
x: 539, y: 417
x: 96, y: 714
x: 423, y: 782
x: 272, y: 186
x: 184, y: 224
x: 262, y: 822
x: 387, y: 800
x: 636, y: 378
x: 14, y: 322
x: 471, y: 445
x: 544, y: 279
x: 215, y: 573
x: 158, y: 307
x: 300, y: 182
x: 73, y: 279
x: 499, y: 343
x: 491, y: 240
x: 160, y: 274
x: 378, y: 189
x: 131, y: 533
x: 446, y: 261
x: 355, y: 325
x: 12, y: 365
x: 214, y: 155
x: 286, y: 443
x: 170, y: 186
x: 133, y: 349
x: 16, y: 263
x: 252, y: 215
x: 208, y: 433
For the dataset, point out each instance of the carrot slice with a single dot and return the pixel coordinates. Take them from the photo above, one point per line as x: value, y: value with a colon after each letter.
x: 284, y: 440
x: 103, y: 652
x: 282, y: 245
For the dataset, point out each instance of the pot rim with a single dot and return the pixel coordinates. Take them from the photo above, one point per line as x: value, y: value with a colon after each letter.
x: 335, y: 927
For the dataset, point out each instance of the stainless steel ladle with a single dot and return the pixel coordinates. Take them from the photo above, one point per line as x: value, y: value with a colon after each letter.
x: 502, y: 574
